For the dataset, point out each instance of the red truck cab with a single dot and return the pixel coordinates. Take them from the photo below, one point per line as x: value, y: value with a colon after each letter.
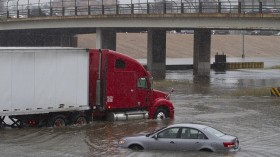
x: 121, y: 88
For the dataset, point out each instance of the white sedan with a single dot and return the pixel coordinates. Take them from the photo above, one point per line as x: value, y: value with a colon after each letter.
x: 183, y: 137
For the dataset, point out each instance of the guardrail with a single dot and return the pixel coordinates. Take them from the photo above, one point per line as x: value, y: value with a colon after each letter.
x: 275, y: 91
x: 79, y: 8
x: 244, y: 65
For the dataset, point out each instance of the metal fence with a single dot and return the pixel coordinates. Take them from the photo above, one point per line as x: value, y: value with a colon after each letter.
x: 14, y: 9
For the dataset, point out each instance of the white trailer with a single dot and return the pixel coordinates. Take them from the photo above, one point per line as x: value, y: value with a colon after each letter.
x: 46, y: 86
x: 42, y: 80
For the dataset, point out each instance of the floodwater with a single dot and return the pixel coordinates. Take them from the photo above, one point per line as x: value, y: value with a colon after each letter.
x: 237, y: 102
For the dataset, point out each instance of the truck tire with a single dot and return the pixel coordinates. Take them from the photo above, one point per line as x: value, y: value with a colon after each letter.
x: 160, y: 114
x: 57, y: 121
x: 79, y: 119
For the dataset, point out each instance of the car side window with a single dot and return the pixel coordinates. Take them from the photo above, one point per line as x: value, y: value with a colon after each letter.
x: 190, y: 133
x: 169, y: 133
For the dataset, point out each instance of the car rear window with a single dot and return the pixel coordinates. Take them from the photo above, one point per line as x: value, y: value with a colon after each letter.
x: 215, y: 132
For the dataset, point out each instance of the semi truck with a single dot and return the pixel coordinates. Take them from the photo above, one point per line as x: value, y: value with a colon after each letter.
x: 58, y: 86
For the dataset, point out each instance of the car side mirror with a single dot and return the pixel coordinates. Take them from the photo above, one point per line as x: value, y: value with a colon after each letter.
x: 156, y: 136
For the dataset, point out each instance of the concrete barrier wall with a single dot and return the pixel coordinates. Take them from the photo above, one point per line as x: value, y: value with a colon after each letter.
x: 244, y: 65
x: 275, y: 91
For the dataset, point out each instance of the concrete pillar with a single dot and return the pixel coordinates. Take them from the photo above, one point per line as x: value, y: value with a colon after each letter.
x: 156, y: 57
x: 106, y: 39
x: 202, y: 47
x: 61, y: 39
x: 74, y: 41
x: 65, y: 40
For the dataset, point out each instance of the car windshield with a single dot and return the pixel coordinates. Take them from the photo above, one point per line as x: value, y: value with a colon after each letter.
x: 215, y: 132
x: 155, y: 131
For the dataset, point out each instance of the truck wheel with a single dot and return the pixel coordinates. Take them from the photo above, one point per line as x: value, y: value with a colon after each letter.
x: 160, y: 114
x: 79, y: 120
x: 57, y: 121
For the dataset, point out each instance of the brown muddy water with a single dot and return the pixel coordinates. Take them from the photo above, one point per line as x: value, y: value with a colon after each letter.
x: 236, y: 102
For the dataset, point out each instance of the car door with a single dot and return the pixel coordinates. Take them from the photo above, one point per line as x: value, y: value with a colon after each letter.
x: 165, y: 140
x: 190, y: 139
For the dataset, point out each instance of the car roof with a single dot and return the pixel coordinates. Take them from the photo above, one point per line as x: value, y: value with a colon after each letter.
x: 191, y: 125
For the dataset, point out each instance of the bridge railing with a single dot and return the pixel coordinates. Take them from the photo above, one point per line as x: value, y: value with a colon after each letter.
x: 80, y: 8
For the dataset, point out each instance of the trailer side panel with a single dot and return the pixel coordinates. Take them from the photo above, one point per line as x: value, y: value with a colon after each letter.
x: 39, y: 80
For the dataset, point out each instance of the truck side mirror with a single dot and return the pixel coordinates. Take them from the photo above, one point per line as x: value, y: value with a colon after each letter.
x: 170, y: 92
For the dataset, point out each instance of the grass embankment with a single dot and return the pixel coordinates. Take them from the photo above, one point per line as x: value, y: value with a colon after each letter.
x: 172, y: 83
x: 188, y: 87
x: 258, y: 92
x: 275, y: 67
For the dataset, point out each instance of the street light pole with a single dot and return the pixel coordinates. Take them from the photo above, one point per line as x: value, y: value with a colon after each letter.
x: 243, y: 45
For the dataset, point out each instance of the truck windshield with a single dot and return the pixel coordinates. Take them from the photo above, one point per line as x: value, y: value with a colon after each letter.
x: 143, y: 82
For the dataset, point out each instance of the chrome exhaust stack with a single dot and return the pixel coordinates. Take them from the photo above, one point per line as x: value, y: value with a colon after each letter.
x: 98, y: 81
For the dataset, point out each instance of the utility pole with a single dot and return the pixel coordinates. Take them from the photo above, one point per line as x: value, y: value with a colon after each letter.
x: 243, y: 45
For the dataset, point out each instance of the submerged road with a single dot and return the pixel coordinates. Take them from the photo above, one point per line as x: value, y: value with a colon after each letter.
x: 236, y: 102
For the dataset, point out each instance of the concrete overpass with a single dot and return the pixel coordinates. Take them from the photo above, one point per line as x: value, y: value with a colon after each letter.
x: 46, y: 30
x: 141, y: 21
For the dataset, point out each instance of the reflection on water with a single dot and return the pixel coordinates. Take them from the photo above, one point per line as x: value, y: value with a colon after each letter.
x: 201, y: 84
x: 230, y: 79
x: 103, y: 137
x: 255, y: 120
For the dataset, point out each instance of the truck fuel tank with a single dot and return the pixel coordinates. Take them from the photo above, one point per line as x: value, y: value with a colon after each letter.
x: 130, y: 115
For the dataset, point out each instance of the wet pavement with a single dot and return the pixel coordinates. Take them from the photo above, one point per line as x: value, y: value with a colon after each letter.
x: 237, y: 102
x: 268, y: 61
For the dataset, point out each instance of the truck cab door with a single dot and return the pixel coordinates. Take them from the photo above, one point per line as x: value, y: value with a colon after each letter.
x: 121, y: 90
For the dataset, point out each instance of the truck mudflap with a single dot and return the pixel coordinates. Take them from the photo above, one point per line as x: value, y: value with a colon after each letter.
x: 161, y: 108
x: 2, y: 122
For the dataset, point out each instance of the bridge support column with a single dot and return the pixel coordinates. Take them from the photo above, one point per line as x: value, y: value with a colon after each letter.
x: 156, y: 57
x: 202, y: 48
x: 68, y: 41
x: 64, y: 41
x: 106, y: 39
